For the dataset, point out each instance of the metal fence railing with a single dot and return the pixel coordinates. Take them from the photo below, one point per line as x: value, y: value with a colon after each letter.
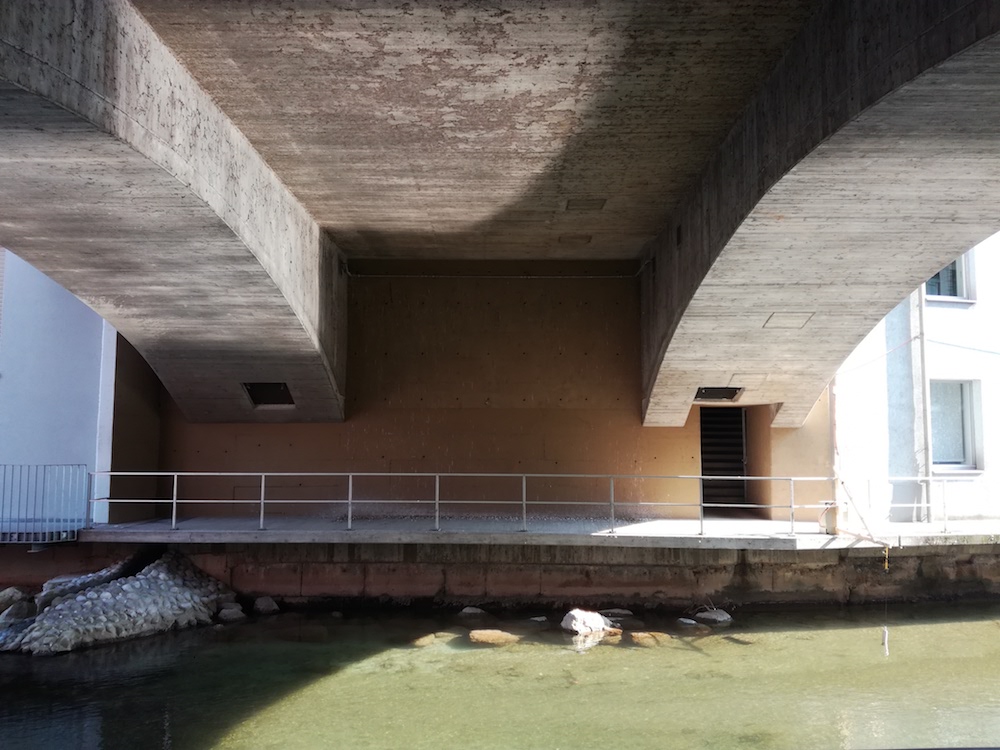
x: 42, y: 503
x: 941, y: 503
x: 523, y: 501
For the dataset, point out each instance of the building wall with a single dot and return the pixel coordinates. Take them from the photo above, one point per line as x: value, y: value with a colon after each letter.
x: 135, y: 433
x: 500, y: 375
x: 803, y: 452
x: 504, y: 375
x: 51, y: 358
x: 879, y: 396
x: 963, y: 343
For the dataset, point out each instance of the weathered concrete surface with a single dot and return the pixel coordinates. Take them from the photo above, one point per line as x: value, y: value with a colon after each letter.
x: 155, y: 261
x: 802, y: 261
x: 577, y: 576
x: 573, y: 131
x: 209, y: 310
x: 456, y: 130
x: 442, y: 131
x: 582, y: 575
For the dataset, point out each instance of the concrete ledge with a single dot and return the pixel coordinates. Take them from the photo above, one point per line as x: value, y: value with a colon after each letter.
x: 526, y: 574
x: 763, y: 536
x: 181, y: 536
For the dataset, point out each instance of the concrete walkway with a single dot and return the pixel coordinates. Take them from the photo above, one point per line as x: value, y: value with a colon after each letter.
x: 672, y: 533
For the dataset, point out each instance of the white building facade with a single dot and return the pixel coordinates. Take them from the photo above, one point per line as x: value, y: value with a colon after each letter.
x: 57, y: 381
x: 917, y: 404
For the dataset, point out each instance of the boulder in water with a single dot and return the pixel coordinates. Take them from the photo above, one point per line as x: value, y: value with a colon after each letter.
x: 265, y: 605
x: 492, y: 637
x: 717, y: 618
x: 581, y: 621
x: 231, y: 614
x: 648, y: 639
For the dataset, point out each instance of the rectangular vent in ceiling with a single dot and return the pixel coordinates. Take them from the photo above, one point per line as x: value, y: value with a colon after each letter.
x: 718, y: 394
x: 269, y: 395
x: 585, y: 204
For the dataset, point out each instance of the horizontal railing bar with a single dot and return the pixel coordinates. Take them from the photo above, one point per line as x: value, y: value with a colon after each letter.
x: 429, y: 501
x: 467, y: 475
x: 498, y: 475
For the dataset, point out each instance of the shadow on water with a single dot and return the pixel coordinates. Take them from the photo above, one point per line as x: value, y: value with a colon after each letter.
x: 180, y: 689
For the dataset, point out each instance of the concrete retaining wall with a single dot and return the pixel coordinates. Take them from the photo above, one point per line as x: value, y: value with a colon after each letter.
x: 517, y: 575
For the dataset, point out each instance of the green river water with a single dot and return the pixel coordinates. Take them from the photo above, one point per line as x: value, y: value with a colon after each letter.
x: 813, y: 679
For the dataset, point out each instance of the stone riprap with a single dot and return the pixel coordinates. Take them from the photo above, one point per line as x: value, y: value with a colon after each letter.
x: 11, y: 596
x: 63, y: 586
x: 168, y: 593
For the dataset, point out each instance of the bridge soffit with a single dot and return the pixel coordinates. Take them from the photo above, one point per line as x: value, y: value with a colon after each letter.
x: 858, y: 170
x: 247, y: 289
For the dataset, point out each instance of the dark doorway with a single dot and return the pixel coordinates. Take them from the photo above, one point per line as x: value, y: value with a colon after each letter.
x: 723, y: 454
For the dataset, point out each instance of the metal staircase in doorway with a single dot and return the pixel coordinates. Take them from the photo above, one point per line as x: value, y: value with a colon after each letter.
x: 723, y: 454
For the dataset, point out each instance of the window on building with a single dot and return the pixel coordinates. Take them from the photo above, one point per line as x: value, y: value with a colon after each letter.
x: 953, y: 281
x: 953, y: 424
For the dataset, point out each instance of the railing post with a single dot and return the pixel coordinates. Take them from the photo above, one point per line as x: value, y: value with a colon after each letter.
x: 173, y: 506
x: 37, y: 505
x: 944, y: 504
x: 350, y: 500
x: 701, y: 506
x: 437, y: 502
x: 791, y: 504
x: 90, y: 500
x: 261, y: 525
x: 612, y: 481
x: 524, y: 502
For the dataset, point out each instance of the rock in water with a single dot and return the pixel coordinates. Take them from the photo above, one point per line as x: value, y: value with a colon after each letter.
x: 581, y: 621
x: 693, y: 627
x: 231, y: 614
x: 491, y: 637
x: 616, y: 613
x: 717, y: 618
x: 265, y: 605
x: 645, y: 639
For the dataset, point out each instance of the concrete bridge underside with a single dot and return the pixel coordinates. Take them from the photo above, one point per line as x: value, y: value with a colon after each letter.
x: 777, y: 176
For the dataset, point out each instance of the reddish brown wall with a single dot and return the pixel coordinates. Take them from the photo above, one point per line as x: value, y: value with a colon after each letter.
x: 467, y: 375
x: 135, y: 433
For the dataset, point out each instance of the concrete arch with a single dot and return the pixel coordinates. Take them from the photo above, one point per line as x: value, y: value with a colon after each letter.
x: 864, y: 165
x: 184, y: 238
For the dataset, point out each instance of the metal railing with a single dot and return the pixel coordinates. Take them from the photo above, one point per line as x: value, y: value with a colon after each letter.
x: 937, y: 502
x: 614, y: 500
x: 42, y: 503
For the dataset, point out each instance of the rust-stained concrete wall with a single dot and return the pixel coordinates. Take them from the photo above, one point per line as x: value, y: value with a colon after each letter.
x: 135, y: 441
x: 806, y: 451
x: 562, y: 576
x: 468, y: 374
x: 484, y: 374
x: 758, y: 447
